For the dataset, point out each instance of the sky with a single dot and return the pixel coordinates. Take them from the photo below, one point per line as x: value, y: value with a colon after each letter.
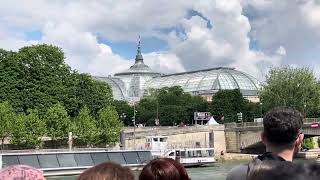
x: 100, y: 36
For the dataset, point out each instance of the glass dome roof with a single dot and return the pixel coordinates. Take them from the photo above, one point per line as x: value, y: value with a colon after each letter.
x: 208, y: 81
x: 117, y: 86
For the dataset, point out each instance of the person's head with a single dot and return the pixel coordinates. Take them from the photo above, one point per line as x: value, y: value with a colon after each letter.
x: 277, y: 170
x: 21, y: 172
x: 107, y: 171
x: 283, y: 129
x: 164, y: 169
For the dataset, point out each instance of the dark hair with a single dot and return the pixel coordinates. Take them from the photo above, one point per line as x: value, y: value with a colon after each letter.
x: 107, y: 171
x: 277, y: 170
x: 282, y: 125
x: 164, y: 169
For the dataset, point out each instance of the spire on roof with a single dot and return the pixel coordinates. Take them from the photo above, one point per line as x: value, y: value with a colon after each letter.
x: 139, y: 58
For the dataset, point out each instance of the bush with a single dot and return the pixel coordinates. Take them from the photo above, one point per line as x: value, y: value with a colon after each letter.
x: 308, y: 143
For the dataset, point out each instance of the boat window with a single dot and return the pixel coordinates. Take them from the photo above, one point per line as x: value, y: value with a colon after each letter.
x: 99, y: 158
x: 66, y: 160
x: 163, y: 139
x: 83, y: 159
x: 211, y: 153
x: 183, y: 154
x: 131, y: 157
x: 199, y: 153
x: 205, y: 153
x: 9, y: 160
x: 48, y: 161
x: 190, y: 154
x: 31, y: 160
x: 155, y: 139
x: 171, y: 154
x: 117, y: 157
x: 145, y: 156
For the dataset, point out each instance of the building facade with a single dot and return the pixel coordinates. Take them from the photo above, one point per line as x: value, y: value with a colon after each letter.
x: 132, y: 84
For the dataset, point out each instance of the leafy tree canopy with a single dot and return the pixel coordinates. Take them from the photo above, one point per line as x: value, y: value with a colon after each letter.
x: 227, y: 103
x: 109, y: 125
x: 57, y: 122
x: 36, y: 77
x: 85, y: 127
x: 294, y: 87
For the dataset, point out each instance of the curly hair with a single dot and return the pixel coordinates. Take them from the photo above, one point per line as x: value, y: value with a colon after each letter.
x: 282, y: 125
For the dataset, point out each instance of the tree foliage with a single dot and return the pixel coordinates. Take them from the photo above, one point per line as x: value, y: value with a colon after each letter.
x: 85, y: 127
x: 28, y: 130
x: 57, y: 122
x: 125, y: 112
x: 36, y: 77
x: 109, y: 125
x: 7, y: 119
x: 307, y: 144
x: 227, y: 103
x: 173, y: 104
x: 294, y: 87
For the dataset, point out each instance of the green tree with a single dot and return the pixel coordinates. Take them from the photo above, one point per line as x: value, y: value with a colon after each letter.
x: 227, y: 103
x: 294, y: 87
x: 7, y: 118
x: 125, y: 111
x: 36, y: 77
x: 173, y: 104
x: 57, y: 122
x: 109, y: 125
x: 307, y: 143
x: 85, y: 127
x: 28, y: 130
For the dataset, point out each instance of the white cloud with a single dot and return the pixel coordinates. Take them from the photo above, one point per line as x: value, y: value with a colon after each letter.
x: 281, y: 29
x: 163, y: 62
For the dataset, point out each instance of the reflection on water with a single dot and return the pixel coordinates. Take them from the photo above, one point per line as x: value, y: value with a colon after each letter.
x: 217, y: 172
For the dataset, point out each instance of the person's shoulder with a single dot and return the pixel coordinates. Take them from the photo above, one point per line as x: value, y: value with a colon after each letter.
x: 238, y: 173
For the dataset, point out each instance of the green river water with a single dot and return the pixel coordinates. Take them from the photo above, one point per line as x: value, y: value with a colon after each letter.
x: 216, y: 172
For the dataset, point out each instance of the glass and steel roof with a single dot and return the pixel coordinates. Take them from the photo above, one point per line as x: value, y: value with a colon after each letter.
x: 117, y: 86
x: 208, y: 81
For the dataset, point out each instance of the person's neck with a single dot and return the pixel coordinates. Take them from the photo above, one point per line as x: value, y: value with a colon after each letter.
x: 286, y: 154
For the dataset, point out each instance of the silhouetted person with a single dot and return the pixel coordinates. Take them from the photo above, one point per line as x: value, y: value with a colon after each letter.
x: 282, y: 135
x: 164, y: 169
x: 107, y: 171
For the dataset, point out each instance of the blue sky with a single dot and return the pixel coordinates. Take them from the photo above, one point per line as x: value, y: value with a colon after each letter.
x: 100, y: 37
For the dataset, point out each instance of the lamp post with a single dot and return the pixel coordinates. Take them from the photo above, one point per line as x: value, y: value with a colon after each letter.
x: 134, y: 125
x: 123, y: 116
x: 261, y: 110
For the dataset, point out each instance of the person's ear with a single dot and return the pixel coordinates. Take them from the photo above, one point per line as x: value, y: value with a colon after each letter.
x: 263, y: 138
x: 298, y: 142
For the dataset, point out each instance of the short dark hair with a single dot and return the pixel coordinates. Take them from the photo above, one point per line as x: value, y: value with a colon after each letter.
x: 282, y: 125
x: 164, y: 169
x: 107, y: 170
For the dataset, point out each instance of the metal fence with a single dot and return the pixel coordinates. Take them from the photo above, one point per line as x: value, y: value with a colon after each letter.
x: 259, y: 124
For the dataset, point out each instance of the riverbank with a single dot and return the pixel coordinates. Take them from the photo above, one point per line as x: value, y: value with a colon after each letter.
x: 236, y: 157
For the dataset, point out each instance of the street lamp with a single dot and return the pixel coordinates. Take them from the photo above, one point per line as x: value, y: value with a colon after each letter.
x: 261, y: 110
x: 134, y: 125
x: 123, y: 116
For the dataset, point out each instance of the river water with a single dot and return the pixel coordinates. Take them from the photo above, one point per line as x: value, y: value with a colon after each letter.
x: 217, y: 172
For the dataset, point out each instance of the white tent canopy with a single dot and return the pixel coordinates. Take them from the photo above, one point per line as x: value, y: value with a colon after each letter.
x: 212, y: 121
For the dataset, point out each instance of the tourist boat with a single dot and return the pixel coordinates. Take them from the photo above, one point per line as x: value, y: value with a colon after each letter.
x: 75, y: 162
x: 189, y: 157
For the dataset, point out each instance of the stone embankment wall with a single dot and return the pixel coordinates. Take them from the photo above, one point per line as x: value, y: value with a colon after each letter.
x: 179, y: 137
